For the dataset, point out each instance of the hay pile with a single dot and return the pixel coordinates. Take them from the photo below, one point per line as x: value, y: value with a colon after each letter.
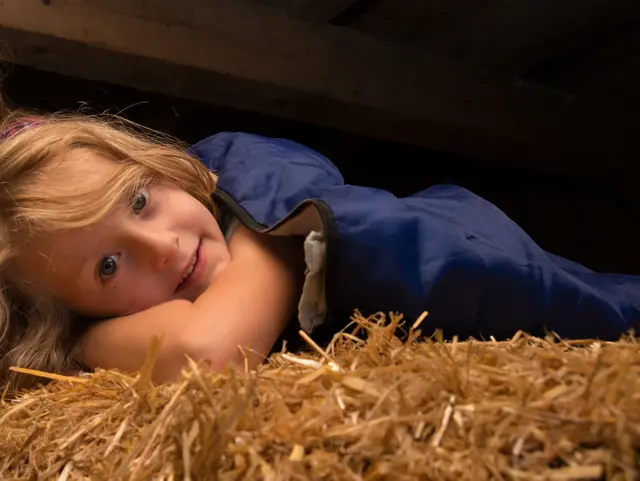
x: 383, y: 409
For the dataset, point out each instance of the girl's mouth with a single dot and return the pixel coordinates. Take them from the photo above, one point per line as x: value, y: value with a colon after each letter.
x: 193, y: 271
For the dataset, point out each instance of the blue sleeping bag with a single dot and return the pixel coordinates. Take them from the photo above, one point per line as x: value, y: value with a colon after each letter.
x: 443, y: 250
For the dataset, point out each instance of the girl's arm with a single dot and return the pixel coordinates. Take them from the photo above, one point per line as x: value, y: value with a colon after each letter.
x: 247, y: 305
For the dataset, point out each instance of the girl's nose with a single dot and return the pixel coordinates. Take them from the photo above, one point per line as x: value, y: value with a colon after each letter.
x: 159, y: 247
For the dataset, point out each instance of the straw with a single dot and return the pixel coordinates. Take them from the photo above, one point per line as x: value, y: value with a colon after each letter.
x: 522, y: 409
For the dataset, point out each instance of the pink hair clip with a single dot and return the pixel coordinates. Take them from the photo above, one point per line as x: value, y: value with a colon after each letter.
x: 17, y: 127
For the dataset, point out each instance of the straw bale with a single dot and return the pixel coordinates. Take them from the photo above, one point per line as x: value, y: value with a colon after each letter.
x: 384, y: 408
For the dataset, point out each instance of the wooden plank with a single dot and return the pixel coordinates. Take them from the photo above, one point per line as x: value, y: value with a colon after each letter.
x: 236, y: 54
x: 319, y: 11
x: 507, y: 37
x: 606, y: 75
x: 513, y: 36
x: 313, y: 11
x: 419, y: 22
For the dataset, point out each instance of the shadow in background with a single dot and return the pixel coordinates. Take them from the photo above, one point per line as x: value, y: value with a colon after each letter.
x: 593, y: 221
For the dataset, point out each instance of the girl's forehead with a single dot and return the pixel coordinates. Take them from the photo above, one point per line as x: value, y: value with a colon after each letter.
x: 75, y: 172
x: 81, y: 164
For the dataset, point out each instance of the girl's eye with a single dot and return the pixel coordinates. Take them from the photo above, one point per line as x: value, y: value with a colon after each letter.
x: 140, y: 201
x: 108, y: 265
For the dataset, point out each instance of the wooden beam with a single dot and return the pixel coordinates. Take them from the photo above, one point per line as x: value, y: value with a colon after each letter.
x: 417, y: 22
x: 312, y: 11
x: 607, y: 75
x: 319, y: 11
x: 243, y: 56
x: 510, y: 37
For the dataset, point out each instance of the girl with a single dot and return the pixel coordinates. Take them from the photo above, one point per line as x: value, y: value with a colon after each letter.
x: 109, y: 237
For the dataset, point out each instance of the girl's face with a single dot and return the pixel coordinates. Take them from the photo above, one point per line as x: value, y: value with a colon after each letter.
x: 165, y: 245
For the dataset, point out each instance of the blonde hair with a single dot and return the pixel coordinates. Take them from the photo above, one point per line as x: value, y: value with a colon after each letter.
x: 37, y: 332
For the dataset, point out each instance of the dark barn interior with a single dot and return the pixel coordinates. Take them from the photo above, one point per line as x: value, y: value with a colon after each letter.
x: 530, y: 103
